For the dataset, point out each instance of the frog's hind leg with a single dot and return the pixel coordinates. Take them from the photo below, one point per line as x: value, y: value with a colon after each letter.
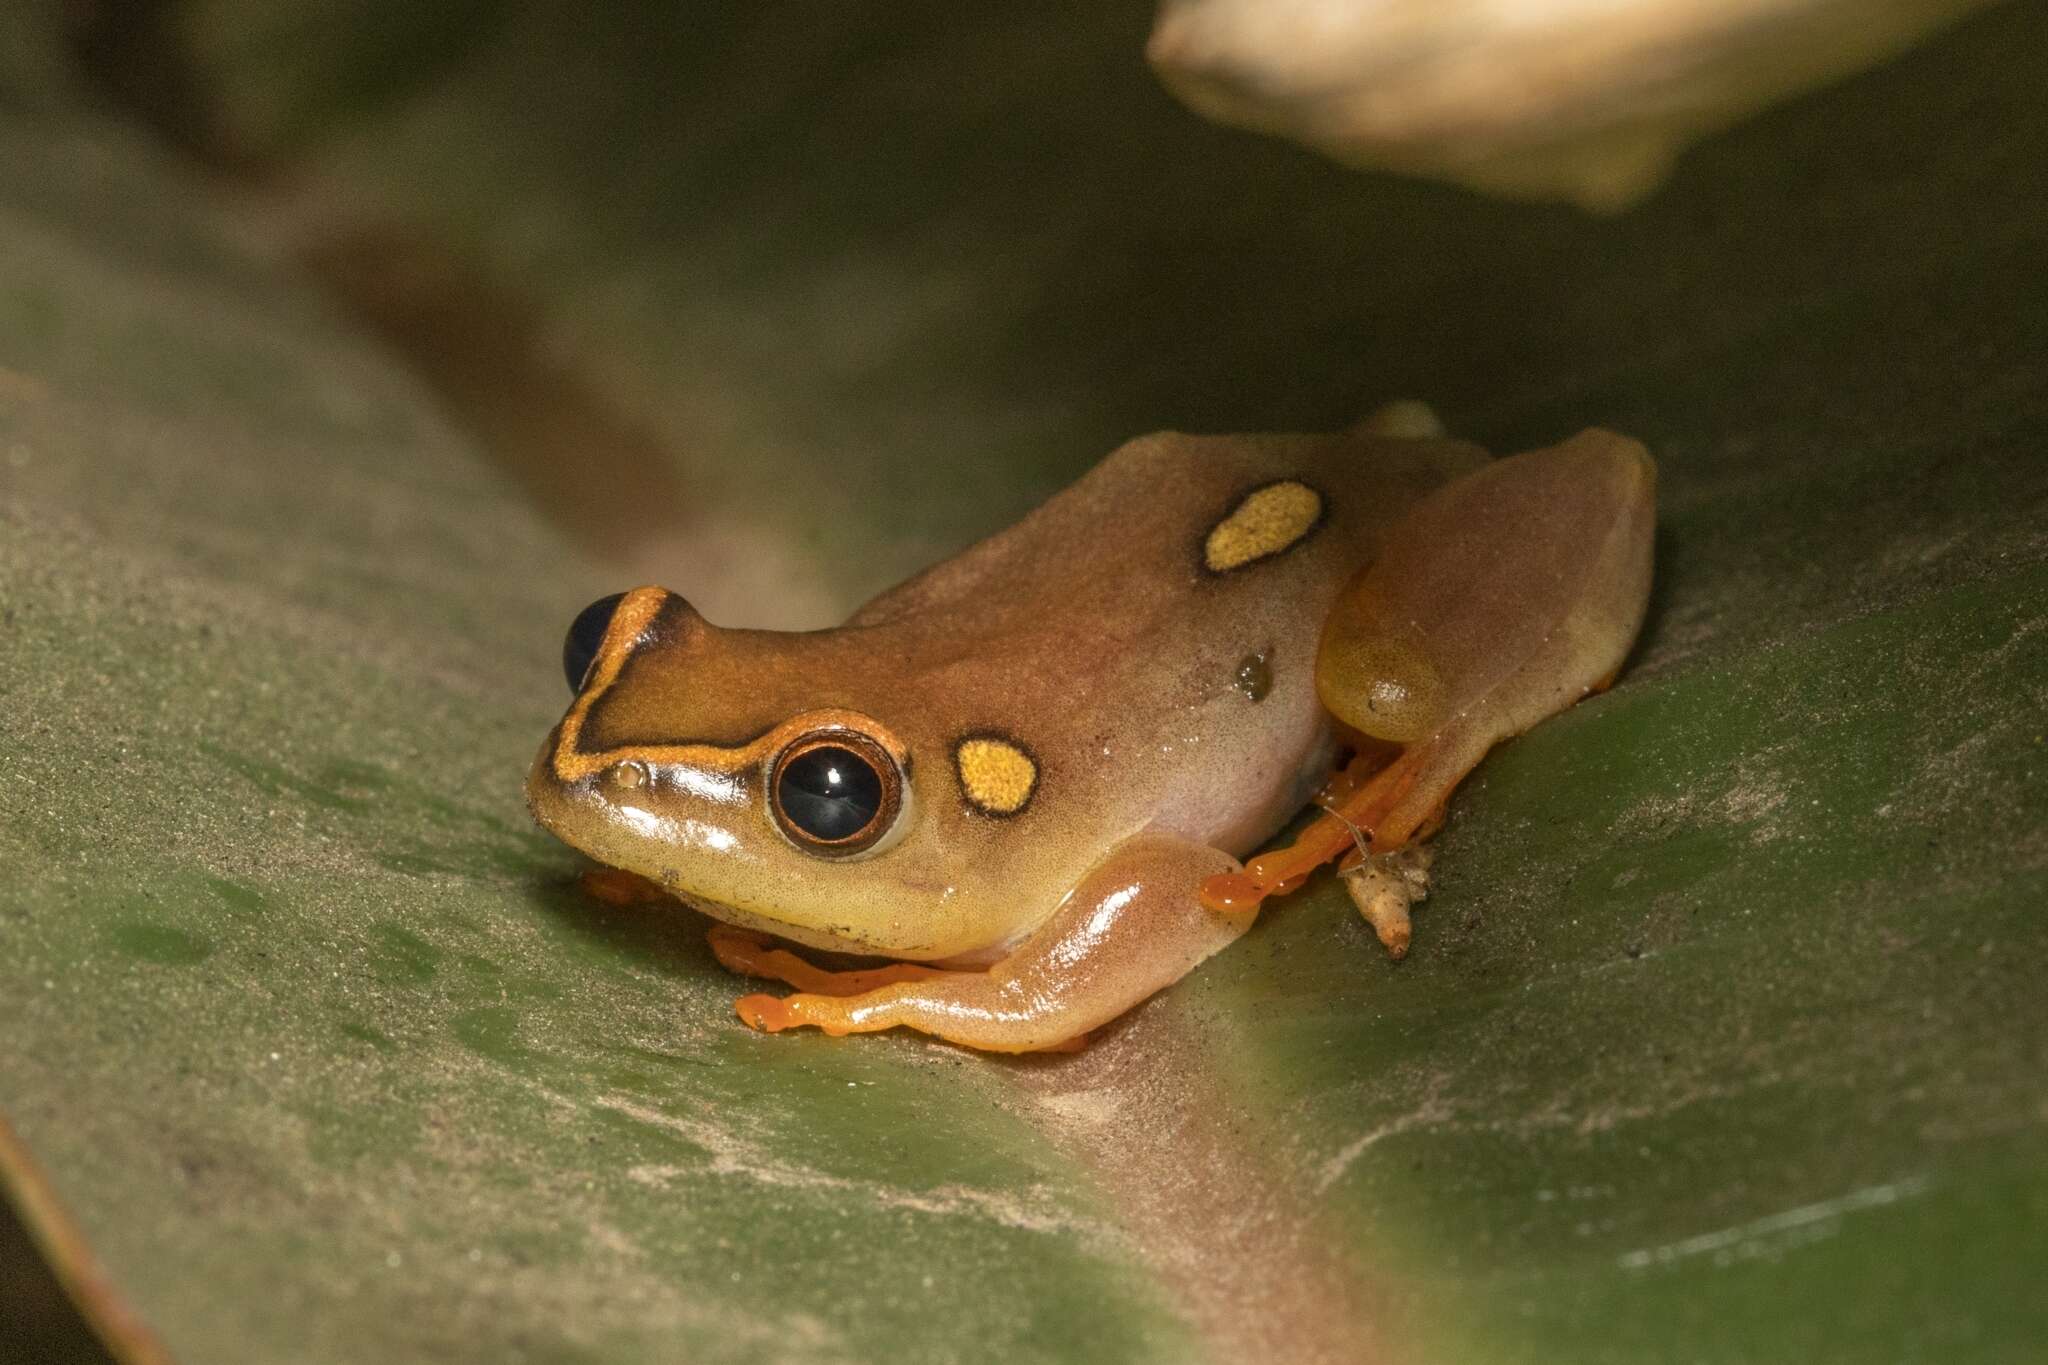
x: 1499, y: 600
x: 750, y: 954
x: 1363, y: 821
x: 1131, y: 927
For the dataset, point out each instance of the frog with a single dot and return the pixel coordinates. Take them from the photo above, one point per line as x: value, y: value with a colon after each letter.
x: 1020, y: 793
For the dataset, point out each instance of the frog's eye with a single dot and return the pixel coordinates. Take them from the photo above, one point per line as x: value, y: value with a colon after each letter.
x: 586, y: 633
x: 835, y: 792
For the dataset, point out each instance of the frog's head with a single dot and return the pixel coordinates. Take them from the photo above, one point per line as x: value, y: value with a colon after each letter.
x: 744, y: 772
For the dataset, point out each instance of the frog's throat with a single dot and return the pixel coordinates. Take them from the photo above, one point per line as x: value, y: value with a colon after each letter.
x: 824, y: 940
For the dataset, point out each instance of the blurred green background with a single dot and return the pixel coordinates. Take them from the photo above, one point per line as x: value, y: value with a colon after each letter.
x: 346, y: 350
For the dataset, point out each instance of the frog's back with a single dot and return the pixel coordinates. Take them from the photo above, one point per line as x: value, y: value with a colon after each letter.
x: 1198, y: 517
x: 1149, y: 632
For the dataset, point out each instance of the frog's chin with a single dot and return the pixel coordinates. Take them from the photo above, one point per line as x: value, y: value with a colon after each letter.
x: 824, y: 940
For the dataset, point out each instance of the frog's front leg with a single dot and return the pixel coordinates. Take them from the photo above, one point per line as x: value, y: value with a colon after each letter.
x: 1131, y: 927
x: 745, y: 953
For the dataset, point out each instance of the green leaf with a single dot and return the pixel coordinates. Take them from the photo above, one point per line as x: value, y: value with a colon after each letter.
x: 1721, y: 1037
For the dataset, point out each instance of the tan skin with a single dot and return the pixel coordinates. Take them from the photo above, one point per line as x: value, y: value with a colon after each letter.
x: 1027, y: 775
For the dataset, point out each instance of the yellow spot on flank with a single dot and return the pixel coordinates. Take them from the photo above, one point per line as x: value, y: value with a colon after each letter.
x: 1264, y: 523
x: 997, y: 776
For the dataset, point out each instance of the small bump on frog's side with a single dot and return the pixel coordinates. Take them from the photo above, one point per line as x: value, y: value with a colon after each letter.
x: 1254, y: 675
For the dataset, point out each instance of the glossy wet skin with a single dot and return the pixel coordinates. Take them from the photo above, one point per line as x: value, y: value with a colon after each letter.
x: 1037, y: 764
x: 1092, y: 638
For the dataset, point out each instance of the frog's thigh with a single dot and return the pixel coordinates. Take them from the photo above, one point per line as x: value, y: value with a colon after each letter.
x: 1132, y: 927
x: 1499, y: 600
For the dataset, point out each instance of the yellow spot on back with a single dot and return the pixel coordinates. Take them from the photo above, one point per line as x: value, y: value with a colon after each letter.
x: 997, y: 776
x: 1266, y: 522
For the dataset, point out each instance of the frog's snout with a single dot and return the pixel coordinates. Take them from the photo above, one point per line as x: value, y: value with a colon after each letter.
x: 547, y: 796
x: 564, y: 802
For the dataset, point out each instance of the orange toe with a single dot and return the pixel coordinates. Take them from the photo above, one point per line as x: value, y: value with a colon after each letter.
x: 764, y: 1012
x: 614, y: 886
x: 1231, y: 891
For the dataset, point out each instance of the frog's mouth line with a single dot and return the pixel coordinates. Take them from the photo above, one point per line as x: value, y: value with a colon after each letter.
x: 551, y: 803
x: 818, y: 939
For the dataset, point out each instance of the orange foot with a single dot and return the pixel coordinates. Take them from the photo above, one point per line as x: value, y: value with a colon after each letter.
x: 774, y: 1013
x: 1355, y: 822
x: 615, y: 886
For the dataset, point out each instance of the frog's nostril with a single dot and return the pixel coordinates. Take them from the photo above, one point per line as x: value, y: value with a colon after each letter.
x: 586, y: 633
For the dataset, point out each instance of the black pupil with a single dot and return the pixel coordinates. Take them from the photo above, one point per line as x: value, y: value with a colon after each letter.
x: 829, y: 793
x: 586, y: 633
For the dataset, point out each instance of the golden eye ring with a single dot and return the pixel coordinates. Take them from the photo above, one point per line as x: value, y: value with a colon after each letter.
x: 835, y: 792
